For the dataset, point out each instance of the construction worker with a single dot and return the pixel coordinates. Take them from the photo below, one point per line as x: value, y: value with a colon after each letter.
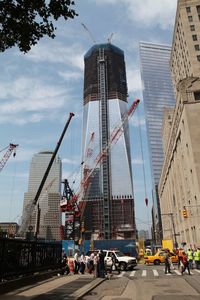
x: 197, y: 258
x: 190, y: 258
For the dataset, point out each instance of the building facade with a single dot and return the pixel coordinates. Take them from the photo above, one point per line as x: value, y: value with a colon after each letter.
x: 49, y: 200
x: 8, y: 229
x: 157, y: 94
x: 109, y: 212
x: 179, y: 187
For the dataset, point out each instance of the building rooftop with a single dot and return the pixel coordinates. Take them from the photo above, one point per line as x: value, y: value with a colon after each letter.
x: 107, y: 46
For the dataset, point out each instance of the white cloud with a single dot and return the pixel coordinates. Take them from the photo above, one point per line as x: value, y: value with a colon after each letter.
x: 31, y: 100
x: 147, y: 13
x: 71, y: 75
x: 71, y: 55
x: 134, y: 80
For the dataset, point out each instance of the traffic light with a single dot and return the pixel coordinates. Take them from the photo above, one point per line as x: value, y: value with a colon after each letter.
x: 185, y: 213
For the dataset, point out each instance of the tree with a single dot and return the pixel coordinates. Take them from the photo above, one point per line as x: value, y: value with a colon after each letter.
x: 24, y: 22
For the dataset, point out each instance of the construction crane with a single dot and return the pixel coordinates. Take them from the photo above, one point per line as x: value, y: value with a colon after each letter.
x: 110, y: 37
x: 71, y: 204
x: 11, y: 148
x: 88, y: 31
x: 34, y: 204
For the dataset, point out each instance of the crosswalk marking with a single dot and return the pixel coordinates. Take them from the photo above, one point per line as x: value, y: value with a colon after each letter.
x: 197, y: 270
x: 121, y: 274
x: 155, y: 273
x: 177, y: 272
x: 144, y: 273
x: 132, y: 273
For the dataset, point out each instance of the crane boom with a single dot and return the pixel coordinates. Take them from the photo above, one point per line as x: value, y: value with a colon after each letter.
x: 11, y: 148
x: 114, y: 137
x: 32, y: 205
x: 70, y: 204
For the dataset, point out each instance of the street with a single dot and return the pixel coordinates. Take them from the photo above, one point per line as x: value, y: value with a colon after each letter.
x: 145, y: 282
x: 149, y: 282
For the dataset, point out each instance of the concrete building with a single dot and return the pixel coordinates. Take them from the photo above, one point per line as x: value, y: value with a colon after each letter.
x: 49, y: 200
x: 179, y: 186
x: 8, y: 229
x: 109, y: 210
x: 157, y: 94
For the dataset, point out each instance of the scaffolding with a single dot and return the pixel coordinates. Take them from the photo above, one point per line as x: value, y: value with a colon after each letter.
x: 105, y: 166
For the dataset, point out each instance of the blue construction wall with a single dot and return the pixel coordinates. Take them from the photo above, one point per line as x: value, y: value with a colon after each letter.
x: 69, y: 247
x: 128, y: 247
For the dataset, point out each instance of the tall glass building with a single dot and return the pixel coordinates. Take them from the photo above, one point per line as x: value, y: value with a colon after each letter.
x: 108, y: 192
x: 157, y: 94
x: 49, y: 200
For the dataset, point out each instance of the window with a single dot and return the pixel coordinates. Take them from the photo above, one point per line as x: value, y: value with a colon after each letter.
x: 198, y: 57
x: 190, y: 19
x: 192, y: 27
x: 197, y: 47
x: 198, y: 9
x: 194, y: 37
x: 188, y: 9
x: 197, y: 95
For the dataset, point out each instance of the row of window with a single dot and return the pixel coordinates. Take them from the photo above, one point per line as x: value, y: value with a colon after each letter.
x: 188, y: 9
x: 192, y: 27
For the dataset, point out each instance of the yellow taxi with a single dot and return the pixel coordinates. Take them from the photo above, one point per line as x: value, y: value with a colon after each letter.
x: 159, y: 258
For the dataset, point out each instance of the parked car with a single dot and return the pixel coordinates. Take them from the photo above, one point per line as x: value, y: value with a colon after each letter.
x: 124, y: 262
x: 159, y: 258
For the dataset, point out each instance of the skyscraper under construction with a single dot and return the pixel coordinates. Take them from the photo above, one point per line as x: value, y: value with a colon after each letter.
x: 108, y: 191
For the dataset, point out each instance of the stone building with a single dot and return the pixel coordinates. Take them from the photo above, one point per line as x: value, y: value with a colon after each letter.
x: 179, y: 186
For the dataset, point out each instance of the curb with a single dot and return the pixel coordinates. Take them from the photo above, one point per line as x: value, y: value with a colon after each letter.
x: 87, y: 288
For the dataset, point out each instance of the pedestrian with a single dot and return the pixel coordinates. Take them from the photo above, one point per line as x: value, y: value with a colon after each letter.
x: 197, y: 257
x: 96, y: 259
x: 114, y: 264
x: 91, y: 263
x: 82, y: 263
x: 190, y: 258
x: 167, y: 261
x: 101, y: 265
x: 76, y: 262
x: 180, y: 254
x: 64, y: 266
x: 185, y: 264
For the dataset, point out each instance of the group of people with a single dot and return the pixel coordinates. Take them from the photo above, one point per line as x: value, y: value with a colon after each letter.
x: 94, y: 264
x: 186, y: 260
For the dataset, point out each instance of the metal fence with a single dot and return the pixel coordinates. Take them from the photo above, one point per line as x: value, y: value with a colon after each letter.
x: 23, y: 257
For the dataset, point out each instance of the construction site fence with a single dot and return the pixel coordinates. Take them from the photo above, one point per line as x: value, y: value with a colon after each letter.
x: 22, y: 257
x: 128, y: 247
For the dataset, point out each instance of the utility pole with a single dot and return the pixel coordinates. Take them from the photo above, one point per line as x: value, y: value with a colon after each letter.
x: 173, y: 227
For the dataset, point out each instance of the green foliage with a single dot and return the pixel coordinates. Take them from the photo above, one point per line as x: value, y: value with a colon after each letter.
x: 24, y: 22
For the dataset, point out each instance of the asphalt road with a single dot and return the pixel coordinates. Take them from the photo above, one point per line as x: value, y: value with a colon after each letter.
x: 148, y: 283
x: 143, y: 283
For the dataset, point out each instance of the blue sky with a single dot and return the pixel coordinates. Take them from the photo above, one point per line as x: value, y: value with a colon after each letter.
x: 38, y: 90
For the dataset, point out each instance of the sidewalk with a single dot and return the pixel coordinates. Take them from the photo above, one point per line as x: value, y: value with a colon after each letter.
x: 66, y: 287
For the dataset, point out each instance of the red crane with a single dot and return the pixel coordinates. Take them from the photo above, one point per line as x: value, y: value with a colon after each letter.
x: 10, y: 148
x: 71, y: 204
